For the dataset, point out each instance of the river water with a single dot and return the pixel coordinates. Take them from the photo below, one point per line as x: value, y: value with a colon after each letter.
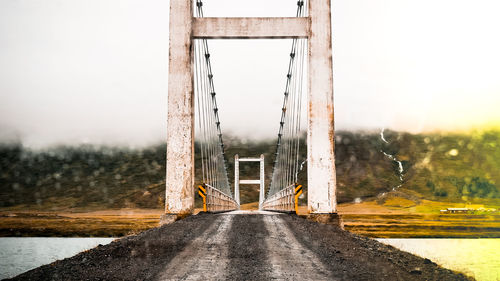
x: 20, y: 254
x: 479, y: 258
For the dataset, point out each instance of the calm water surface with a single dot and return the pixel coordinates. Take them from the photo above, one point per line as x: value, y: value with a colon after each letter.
x: 20, y: 254
x: 479, y: 258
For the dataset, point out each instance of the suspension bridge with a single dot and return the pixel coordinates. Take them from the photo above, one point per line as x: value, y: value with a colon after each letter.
x: 193, y: 112
x: 261, y: 244
x: 224, y: 243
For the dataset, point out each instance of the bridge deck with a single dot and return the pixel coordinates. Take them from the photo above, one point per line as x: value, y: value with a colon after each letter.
x: 243, y: 246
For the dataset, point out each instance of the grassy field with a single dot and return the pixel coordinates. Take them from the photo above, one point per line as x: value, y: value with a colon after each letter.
x: 109, y: 223
x: 393, y: 217
x: 402, y: 218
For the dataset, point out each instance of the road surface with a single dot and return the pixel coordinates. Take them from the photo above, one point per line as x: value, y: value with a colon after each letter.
x: 243, y: 246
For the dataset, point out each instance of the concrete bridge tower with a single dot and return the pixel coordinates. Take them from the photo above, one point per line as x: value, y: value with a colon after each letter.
x: 316, y: 27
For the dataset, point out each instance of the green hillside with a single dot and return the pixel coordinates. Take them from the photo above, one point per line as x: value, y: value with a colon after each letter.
x: 437, y: 166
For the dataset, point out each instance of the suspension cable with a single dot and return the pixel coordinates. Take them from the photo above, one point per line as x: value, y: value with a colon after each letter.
x: 214, y: 168
x: 286, y: 163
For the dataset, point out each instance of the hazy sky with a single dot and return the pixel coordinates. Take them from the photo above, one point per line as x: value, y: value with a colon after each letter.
x: 96, y: 70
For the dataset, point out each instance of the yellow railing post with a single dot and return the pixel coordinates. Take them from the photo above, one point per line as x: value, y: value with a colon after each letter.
x: 298, y: 192
x: 203, y: 193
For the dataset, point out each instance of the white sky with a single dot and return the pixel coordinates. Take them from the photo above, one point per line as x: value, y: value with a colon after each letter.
x: 96, y: 70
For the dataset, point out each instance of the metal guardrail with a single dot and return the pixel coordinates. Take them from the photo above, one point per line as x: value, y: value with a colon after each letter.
x: 285, y: 200
x: 215, y: 200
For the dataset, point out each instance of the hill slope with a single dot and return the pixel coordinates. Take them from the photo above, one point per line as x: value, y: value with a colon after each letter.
x: 436, y: 166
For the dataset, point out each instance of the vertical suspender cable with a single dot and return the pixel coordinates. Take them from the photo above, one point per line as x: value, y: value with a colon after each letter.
x: 286, y: 165
x: 214, y: 167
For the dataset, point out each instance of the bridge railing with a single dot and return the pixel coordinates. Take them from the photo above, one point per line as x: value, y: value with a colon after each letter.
x: 215, y: 200
x: 285, y: 200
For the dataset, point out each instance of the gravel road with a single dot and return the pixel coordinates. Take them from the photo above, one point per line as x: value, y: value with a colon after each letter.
x: 243, y: 246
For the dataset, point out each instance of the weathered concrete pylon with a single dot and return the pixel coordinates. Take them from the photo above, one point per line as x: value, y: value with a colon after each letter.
x: 321, y: 176
x: 180, y: 136
x: 179, y: 195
